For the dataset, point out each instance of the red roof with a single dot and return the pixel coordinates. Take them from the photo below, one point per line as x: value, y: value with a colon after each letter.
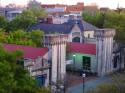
x: 29, y: 52
x: 82, y: 48
x: 74, y: 8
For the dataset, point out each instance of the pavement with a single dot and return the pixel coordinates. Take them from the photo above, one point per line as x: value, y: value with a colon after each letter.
x: 91, y: 84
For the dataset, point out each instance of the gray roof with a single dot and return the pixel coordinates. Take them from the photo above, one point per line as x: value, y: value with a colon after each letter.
x: 52, y: 28
x: 88, y: 26
x: 62, y: 28
x: 65, y: 28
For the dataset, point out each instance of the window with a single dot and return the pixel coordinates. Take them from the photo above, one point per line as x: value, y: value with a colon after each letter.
x: 88, y: 35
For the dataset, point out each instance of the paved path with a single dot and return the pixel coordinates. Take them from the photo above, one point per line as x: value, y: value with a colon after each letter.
x: 88, y: 85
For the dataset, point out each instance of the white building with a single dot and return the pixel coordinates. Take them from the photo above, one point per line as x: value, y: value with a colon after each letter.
x: 82, y: 32
x: 71, y: 28
x: 12, y: 14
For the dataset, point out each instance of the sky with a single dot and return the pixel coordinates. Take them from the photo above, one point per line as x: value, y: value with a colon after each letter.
x: 101, y: 3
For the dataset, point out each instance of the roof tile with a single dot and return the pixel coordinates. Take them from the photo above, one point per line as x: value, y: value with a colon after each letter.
x: 82, y: 48
x: 29, y: 52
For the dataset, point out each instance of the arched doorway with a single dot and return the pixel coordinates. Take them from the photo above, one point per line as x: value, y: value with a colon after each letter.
x: 76, y: 39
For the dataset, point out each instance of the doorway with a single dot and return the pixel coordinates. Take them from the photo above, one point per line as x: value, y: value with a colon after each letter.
x: 86, y: 63
x: 76, y: 39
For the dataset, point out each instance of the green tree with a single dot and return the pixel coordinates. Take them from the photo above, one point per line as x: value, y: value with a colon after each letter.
x: 109, y: 19
x: 96, y: 19
x: 7, y: 82
x: 2, y: 35
x: 22, y: 21
x: 36, y: 36
x: 3, y: 22
x: 36, y: 8
x: 116, y: 21
x: 13, y: 77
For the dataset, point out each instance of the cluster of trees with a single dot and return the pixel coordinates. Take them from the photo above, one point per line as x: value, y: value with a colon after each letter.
x: 13, y: 77
x: 22, y: 21
x: 15, y: 31
x: 109, y: 19
x: 117, y: 85
x: 21, y: 37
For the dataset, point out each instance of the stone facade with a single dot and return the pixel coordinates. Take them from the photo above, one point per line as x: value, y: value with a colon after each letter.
x: 38, y: 67
x: 104, y: 50
x: 76, y: 32
x: 57, y: 44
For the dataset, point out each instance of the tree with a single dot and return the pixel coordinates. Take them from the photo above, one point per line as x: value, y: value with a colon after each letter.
x: 13, y: 77
x: 96, y: 19
x: 2, y: 35
x: 3, y: 22
x: 109, y: 19
x: 22, y: 21
x: 116, y: 21
x: 7, y: 82
x: 36, y: 8
x: 36, y: 36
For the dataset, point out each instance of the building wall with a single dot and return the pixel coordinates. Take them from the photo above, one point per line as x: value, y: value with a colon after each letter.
x: 122, y: 58
x: 59, y: 20
x: 79, y: 60
x: 104, y: 50
x: 88, y: 34
x: 89, y: 40
x: 76, y: 32
x: 32, y: 65
x: 76, y: 12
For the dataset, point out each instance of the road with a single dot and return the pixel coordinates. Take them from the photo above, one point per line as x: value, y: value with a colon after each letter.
x: 88, y: 85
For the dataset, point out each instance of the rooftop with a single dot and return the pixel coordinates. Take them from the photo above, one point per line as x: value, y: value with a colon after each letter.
x: 52, y: 28
x: 29, y: 52
x: 81, y: 48
x: 88, y: 26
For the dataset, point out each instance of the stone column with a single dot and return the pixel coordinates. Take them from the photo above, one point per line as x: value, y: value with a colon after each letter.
x: 104, y: 50
x: 58, y: 47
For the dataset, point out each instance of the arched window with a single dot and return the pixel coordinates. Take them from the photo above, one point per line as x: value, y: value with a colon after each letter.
x: 76, y: 39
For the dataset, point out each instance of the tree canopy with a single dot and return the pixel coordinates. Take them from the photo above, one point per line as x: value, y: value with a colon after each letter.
x: 109, y: 19
x: 21, y: 37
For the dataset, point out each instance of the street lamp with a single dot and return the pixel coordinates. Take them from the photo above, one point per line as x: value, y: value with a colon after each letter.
x: 74, y: 61
x: 83, y: 76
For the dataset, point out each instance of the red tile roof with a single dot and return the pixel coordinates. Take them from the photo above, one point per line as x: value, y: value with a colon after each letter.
x: 81, y: 48
x: 74, y: 8
x: 52, y: 5
x: 29, y: 52
x: 69, y: 8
